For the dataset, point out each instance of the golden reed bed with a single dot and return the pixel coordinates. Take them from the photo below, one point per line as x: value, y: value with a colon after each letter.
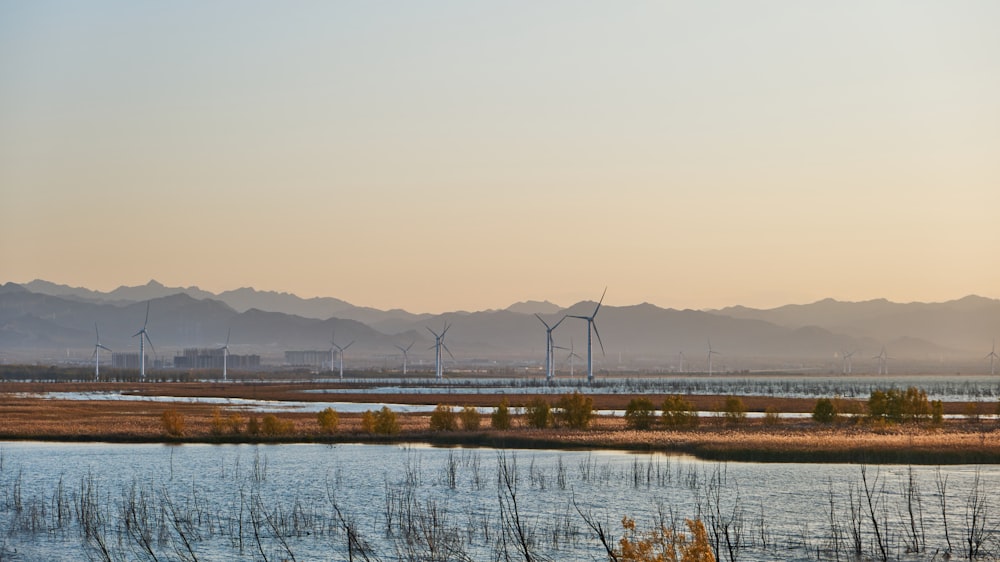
x: 956, y: 441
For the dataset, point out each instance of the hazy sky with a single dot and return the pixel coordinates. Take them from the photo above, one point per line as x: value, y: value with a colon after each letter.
x: 465, y: 155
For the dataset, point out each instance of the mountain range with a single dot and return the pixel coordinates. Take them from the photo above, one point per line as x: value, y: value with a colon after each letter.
x: 43, y: 320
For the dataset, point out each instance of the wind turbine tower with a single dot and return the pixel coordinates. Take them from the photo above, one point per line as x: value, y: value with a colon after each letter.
x: 571, y: 355
x: 340, y: 353
x: 225, y: 355
x: 549, y: 347
x: 97, y: 354
x: 592, y: 329
x: 711, y: 352
x: 883, y: 367
x: 143, y: 335
x: 438, y: 345
x: 405, y: 350
x: 992, y: 356
x: 846, y: 367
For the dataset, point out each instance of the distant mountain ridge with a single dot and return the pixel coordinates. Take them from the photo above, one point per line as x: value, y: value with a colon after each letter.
x: 241, y: 300
x: 31, y: 317
x: 967, y: 323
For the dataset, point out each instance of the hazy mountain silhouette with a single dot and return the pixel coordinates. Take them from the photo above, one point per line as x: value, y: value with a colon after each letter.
x: 534, y: 307
x: 640, y: 335
x: 240, y: 300
x: 46, y: 322
x: 966, y: 324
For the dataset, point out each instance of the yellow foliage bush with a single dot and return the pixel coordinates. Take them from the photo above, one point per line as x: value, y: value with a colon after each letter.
x: 173, y: 423
x: 272, y: 426
x: 664, y: 545
x: 328, y: 420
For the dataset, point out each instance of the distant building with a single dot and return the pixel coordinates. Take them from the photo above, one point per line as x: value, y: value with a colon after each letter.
x: 317, y: 360
x: 197, y: 358
x: 128, y: 360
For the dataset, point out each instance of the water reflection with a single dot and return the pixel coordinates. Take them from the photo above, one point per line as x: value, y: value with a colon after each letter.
x: 278, y: 501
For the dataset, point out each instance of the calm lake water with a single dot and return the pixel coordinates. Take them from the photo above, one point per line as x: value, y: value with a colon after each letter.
x: 281, y: 502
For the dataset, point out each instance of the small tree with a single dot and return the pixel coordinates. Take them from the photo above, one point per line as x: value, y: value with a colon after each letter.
x: 539, y: 414
x: 896, y: 406
x: 500, y: 419
x: 173, y: 423
x: 253, y: 426
x: 639, y: 414
x: 971, y: 411
x: 576, y: 410
x: 771, y: 416
x: 678, y: 413
x: 386, y: 422
x: 368, y: 421
x: 272, y: 426
x: 218, y: 422
x: 235, y: 423
x: 733, y: 410
x: 937, y: 412
x: 824, y: 412
x: 470, y: 419
x: 443, y: 419
x: 328, y: 420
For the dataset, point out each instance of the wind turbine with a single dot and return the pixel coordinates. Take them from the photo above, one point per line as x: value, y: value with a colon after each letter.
x: 711, y: 352
x: 549, y: 359
x: 883, y: 368
x: 993, y: 356
x: 143, y: 335
x: 405, y: 350
x: 97, y: 354
x: 340, y: 349
x: 438, y: 344
x: 846, y: 367
x: 225, y: 354
x: 592, y: 328
x: 571, y: 355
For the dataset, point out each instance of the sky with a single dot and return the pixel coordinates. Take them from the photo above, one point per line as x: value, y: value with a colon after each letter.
x: 454, y: 155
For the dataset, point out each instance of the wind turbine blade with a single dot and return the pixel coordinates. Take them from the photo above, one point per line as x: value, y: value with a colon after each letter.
x: 348, y: 345
x: 446, y: 328
x: 598, y: 307
x: 409, y: 346
x: 448, y: 350
x: 559, y: 322
x: 137, y: 333
x: 151, y: 346
x: 95, y: 352
x: 228, y: 333
x: 432, y: 331
x: 147, y: 316
x: 97, y: 332
x: 598, y: 334
x: 104, y: 347
x: 544, y: 323
x: 399, y: 347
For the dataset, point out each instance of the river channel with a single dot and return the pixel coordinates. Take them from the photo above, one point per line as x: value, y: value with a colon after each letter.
x: 414, y: 502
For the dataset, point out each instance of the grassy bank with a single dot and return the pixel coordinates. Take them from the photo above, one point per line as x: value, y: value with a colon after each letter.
x: 955, y: 442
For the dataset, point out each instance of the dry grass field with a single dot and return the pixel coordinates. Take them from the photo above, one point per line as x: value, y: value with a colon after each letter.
x: 23, y: 416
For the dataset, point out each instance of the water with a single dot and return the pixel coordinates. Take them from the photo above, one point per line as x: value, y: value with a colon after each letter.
x: 277, y: 502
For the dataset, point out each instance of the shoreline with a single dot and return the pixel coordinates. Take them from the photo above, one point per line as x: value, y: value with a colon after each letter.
x: 956, y: 441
